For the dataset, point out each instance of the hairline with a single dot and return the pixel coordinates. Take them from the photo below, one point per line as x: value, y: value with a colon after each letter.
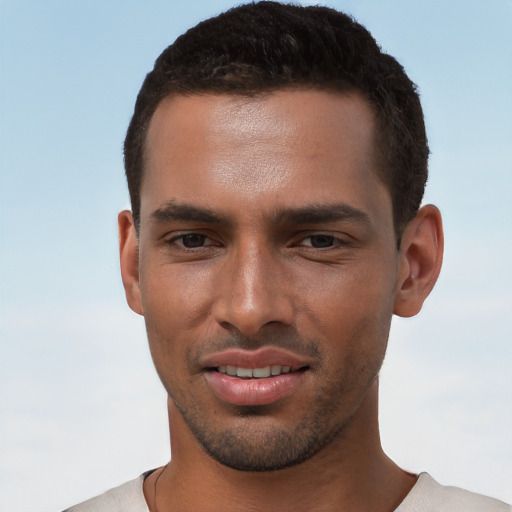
x: 383, y: 174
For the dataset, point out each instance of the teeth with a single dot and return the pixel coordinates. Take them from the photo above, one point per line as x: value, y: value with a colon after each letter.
x: 261, y: 373
x: 276, y: 369
x: 257, y: 373
x: 244, y: 372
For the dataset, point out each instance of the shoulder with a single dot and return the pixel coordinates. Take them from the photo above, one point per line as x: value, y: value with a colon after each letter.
x: 430, y: 496
x: 128, y: 497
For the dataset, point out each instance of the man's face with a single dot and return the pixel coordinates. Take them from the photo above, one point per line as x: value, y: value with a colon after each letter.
x: 267, y: 249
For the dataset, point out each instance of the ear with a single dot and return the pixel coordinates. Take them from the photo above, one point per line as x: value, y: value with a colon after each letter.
x: 129, y: 256
x: 421, y: 255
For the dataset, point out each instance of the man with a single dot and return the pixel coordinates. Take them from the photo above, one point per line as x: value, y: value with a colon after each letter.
x: 276, y: 162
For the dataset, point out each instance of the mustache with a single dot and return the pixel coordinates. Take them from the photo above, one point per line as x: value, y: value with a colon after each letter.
x: 292, y: 341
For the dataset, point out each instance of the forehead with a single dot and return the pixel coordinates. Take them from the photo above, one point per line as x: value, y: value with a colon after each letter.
x: 290, y: 146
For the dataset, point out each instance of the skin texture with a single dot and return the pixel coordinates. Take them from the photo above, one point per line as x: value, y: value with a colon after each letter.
x: 264, y: 226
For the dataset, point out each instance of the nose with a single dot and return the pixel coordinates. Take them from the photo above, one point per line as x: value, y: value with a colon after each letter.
x: 252, y: 291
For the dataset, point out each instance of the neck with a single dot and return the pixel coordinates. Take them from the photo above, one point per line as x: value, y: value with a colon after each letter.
x: 352, y: 474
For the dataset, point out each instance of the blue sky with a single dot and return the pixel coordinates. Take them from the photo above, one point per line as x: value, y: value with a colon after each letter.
x: 80, y: 407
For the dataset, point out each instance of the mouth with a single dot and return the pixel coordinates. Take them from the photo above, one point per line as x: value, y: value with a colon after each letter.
x: 264, y: 372
x: 261, y: 363
x: 251, y: 378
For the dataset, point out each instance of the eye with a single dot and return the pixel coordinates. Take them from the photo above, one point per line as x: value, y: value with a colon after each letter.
x: 191, y: 241
x: 320, y: 241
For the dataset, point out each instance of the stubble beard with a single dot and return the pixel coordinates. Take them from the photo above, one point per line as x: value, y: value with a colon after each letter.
x: 249, y: 447
x: 254, y: 446
x: 255, y: 442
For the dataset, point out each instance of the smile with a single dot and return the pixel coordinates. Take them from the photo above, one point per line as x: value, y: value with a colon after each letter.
x: 254, y: 373
x: 255, y: 377
x: 254, y: 386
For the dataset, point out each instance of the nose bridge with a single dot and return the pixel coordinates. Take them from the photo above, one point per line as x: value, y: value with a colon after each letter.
x: 252, y: 267
x: 252, y: 293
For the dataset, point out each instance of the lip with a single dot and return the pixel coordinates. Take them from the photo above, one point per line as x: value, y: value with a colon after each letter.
x: 255, y: 391
x: 237, y: 391
x: 264, y: 356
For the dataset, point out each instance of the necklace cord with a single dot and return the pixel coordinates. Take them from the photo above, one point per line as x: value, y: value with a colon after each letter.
x: 155, y: 487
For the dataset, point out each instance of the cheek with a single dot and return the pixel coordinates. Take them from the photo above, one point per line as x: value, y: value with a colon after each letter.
x: 351, y: 314
x: 174, y: 296
x: 176, y: 304
x: 349, y: 291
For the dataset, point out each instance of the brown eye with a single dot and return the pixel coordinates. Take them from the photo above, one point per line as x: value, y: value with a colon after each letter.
x: 321, y: 241
x: 193, y: 240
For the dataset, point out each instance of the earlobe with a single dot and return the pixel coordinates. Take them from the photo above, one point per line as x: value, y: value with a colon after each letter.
x: 129, y: 259
x: 421, y: 255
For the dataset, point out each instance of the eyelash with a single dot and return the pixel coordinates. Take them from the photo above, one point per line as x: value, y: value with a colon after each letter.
x: 336, y: 241
x: 181, y: 237
x: 179, y: 240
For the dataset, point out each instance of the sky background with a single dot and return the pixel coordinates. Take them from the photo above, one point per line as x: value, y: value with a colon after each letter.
x: 81, y: 409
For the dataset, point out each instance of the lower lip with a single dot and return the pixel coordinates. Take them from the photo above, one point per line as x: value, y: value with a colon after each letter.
x: 239, y: 391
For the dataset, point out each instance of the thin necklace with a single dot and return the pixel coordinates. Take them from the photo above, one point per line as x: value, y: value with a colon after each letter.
x: 156, y: 483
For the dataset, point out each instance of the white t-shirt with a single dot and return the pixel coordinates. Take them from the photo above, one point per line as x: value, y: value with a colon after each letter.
x: 426, y: 496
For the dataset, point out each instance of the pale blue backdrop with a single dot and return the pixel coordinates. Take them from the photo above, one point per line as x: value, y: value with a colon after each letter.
x: 81, y: 408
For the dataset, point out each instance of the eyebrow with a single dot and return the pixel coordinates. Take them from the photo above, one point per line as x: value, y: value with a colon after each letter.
x: 321, y: 213
x: 183, y: 212
x: 310, y: 214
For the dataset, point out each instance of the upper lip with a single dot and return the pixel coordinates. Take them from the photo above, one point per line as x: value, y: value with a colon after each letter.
x: 259, y: 358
